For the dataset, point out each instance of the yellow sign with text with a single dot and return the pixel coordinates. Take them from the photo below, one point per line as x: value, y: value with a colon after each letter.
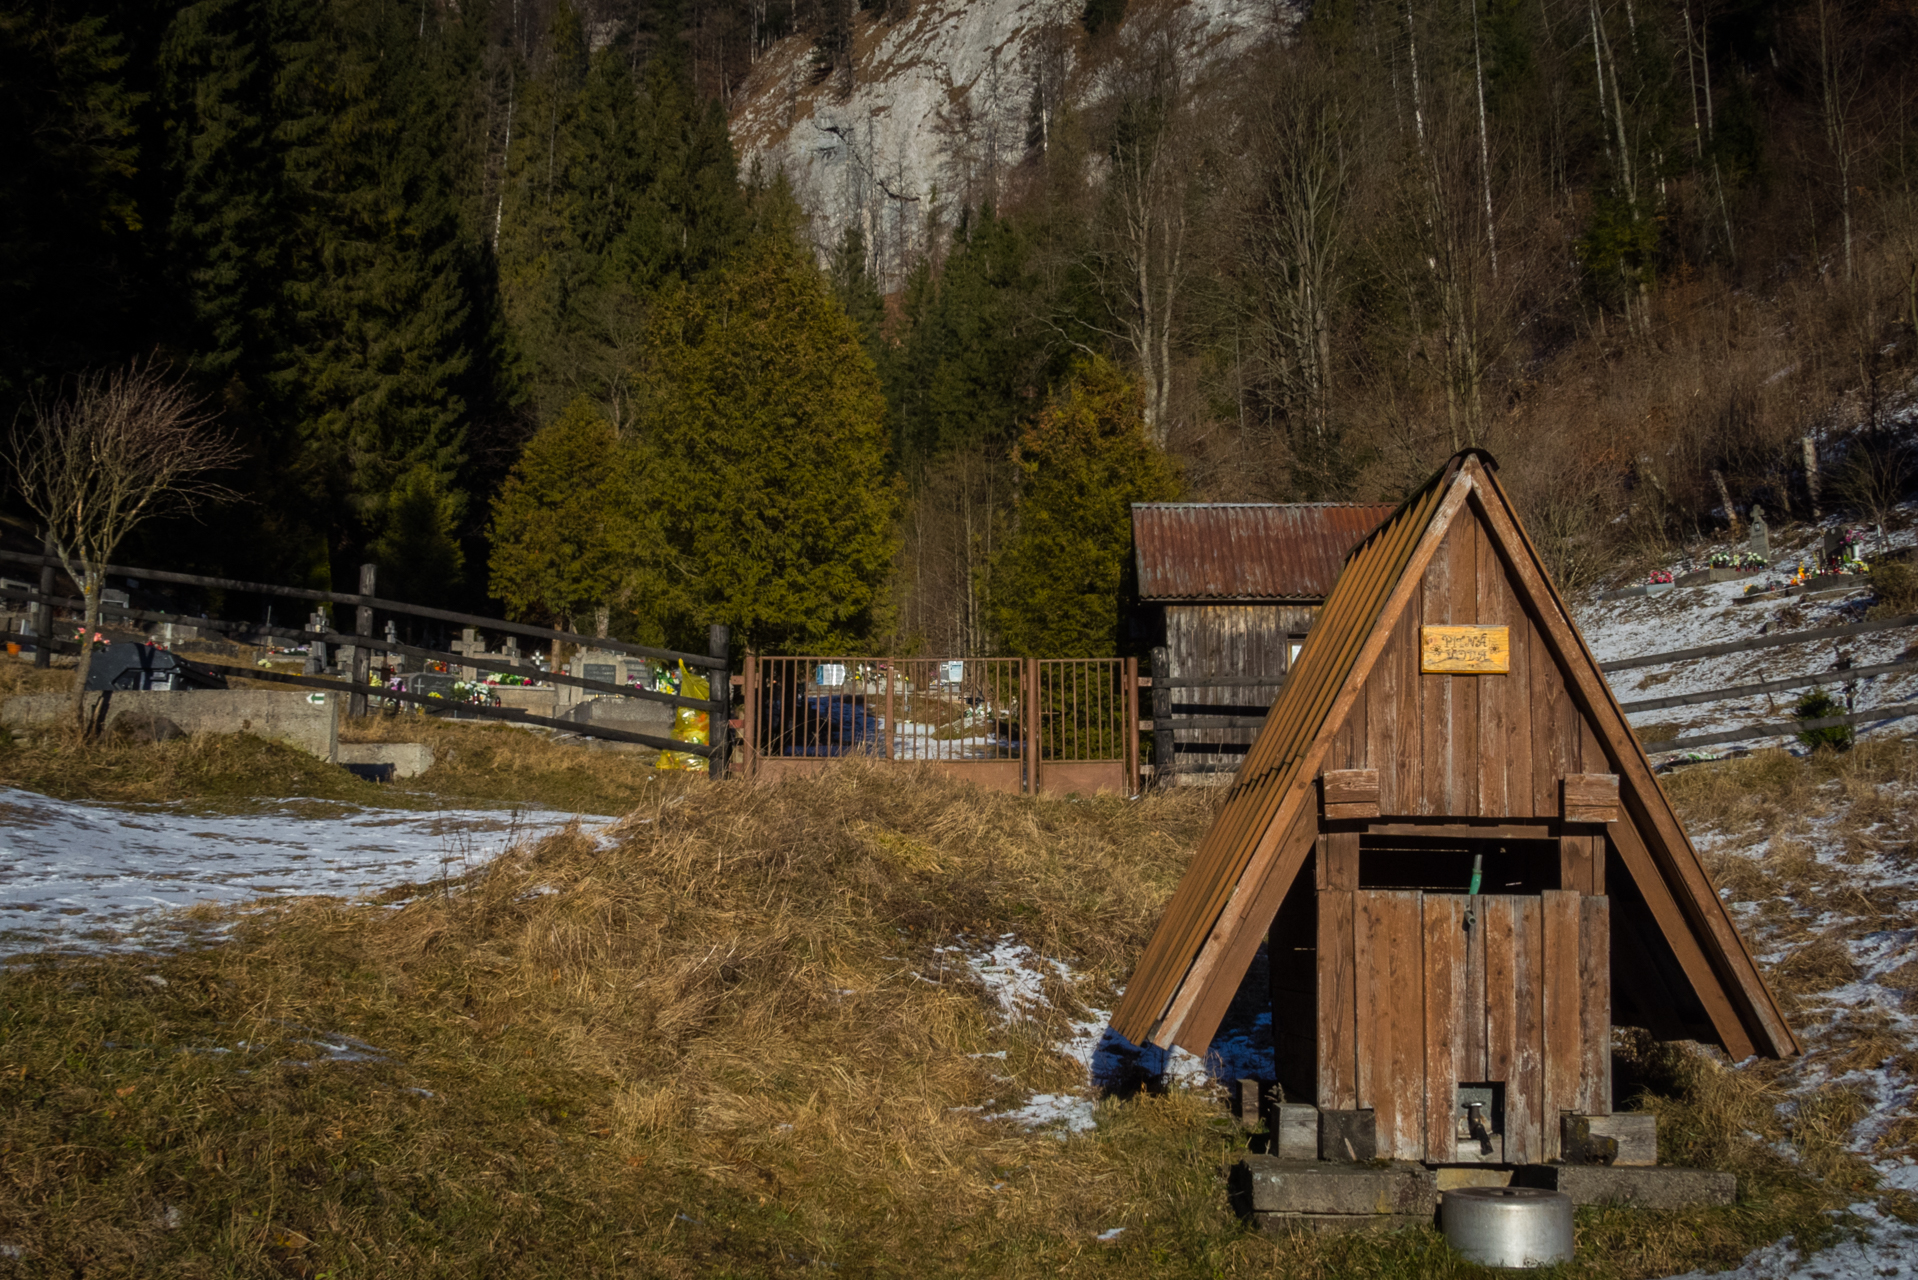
x: 1465, y: 651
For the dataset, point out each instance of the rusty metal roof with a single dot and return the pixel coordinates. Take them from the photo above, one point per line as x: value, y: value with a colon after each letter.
x: 1246, y: 550
x: 1243, y: 866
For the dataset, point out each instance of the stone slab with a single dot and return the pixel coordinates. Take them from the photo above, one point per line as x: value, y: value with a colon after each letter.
x: 634, y: 714
x: 539, y: 702
x: 407, y: 759
x: 1338, y: 1223
x: 1315, y: 1187
x: 1631, y: 1136
x: 1702, y: 577
x: 1295, y: 1131
x: 308, y: 721
x: 1665, y: 1187
x: 1351, y: 1136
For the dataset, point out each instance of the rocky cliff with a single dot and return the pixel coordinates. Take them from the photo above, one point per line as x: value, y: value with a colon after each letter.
x: 938, y: 104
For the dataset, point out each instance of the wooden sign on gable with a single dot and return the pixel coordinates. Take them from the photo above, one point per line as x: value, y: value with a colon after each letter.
x: 1468, y: 651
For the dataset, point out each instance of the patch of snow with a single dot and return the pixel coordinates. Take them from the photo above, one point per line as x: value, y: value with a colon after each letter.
x: 1017, y: 979
x: 81, y: 876
x: 1883, y: 1247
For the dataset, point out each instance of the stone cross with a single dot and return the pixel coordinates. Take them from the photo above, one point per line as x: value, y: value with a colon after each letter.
x: 1761, y: 533
x: 471, y: 646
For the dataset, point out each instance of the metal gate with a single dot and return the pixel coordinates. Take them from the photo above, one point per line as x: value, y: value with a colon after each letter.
x: 1049, y: 726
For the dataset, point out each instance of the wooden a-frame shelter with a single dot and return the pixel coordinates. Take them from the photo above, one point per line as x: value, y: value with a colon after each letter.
x: 1446, y: 730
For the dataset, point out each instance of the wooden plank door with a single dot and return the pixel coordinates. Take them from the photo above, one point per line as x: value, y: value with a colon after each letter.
x: 1520, y: 997
x: 1389, y: 1029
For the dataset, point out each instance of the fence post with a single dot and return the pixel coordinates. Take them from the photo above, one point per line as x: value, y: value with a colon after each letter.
x: 43, y: 616
x: 719, y: 681
x: 886, y: 744
x: 363, y: 626
x: 749, y: 715
x: 1130, y: 701
x: 1163, y: 764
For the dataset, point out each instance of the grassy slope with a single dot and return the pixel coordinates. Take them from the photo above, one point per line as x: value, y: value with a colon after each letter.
x: 706, y: 1052
x: 475, y: 764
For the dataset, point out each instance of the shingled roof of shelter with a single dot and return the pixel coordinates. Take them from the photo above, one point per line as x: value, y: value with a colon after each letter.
x: 1246, y: 550
x: 1222, y: 906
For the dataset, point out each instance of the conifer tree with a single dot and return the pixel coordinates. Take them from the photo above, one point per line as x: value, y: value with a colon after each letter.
x: 764, y: 448
x: 558, y: 536
x: 1082, y: 464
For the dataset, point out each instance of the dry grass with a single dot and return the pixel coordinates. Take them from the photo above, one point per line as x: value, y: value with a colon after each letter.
x: 727, y: 1047
x: 1821, y: 848
x: 475, y: 764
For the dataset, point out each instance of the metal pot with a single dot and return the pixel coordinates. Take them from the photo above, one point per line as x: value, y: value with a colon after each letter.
x: 1508, y: 1226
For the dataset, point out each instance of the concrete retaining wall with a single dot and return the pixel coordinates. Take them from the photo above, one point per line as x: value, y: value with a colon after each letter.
x: 409, y: 759
x: 309, y: 721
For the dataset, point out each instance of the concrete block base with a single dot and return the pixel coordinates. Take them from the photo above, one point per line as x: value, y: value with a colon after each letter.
x: 1658, y: 1188
x: 394, y: 759
x: 1316, y: 1189
x: 1338, y: 1223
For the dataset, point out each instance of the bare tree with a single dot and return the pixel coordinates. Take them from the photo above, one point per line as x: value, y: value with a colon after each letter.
x: 1297, y: 237
x: 1154, y: 179
x: 120, y: 448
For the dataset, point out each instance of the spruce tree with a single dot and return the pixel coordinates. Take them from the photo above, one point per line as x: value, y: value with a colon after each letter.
x: 559, y: 538
x: 764, y: 452
x: 1082, y: 464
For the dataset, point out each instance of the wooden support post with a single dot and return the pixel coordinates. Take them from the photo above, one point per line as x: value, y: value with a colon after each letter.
x: 363, y: 626
x: 1130, y: 678
x: 43, y: 615
x: 720, y: 682
x: 1163, y: 763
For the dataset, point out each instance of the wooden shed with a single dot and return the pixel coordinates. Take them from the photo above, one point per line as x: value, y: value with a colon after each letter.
x: 1465, y: 865
x: 1228, y: 592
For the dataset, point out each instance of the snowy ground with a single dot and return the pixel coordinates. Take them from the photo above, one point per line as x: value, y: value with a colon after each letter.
x: 1690, y: 617
x: 77, y: 876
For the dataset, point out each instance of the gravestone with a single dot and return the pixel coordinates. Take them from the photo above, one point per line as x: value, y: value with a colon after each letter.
x: 469, y: 645
x: 1761, y: 534
x: 316, y: 649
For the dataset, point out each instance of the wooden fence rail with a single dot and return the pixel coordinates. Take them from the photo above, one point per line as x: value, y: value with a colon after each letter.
x: 370, y: 602
x: 361, y: 644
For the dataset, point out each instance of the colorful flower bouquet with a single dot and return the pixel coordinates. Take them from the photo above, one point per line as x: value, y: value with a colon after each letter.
x: 1660, y: 577
x: 1735, y: 560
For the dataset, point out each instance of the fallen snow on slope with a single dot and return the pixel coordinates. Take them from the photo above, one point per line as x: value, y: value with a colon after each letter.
x: 78, y: 876
x: 1692, y: 617
x: 1018, y: 979
x: 1885, y: 1247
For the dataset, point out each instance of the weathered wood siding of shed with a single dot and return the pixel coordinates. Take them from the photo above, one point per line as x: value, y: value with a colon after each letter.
x: 1235, y: 641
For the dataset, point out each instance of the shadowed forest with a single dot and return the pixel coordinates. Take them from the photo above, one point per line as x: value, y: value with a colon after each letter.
x: 486, y: 296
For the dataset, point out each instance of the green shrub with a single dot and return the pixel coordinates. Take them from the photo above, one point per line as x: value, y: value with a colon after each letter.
x: 1818, y: 704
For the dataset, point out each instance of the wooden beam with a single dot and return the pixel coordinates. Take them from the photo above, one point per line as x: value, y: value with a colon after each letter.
x: 1589, y: 797
x: 1351, y: 793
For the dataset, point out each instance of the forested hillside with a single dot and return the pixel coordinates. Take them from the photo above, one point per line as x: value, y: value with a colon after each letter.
x: 489, y: 298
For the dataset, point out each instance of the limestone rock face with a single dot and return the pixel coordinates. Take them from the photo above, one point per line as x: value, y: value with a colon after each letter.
x: 941, y: 105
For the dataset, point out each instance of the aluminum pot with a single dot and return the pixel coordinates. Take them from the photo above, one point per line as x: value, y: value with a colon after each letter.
x: 1508, y: 1226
